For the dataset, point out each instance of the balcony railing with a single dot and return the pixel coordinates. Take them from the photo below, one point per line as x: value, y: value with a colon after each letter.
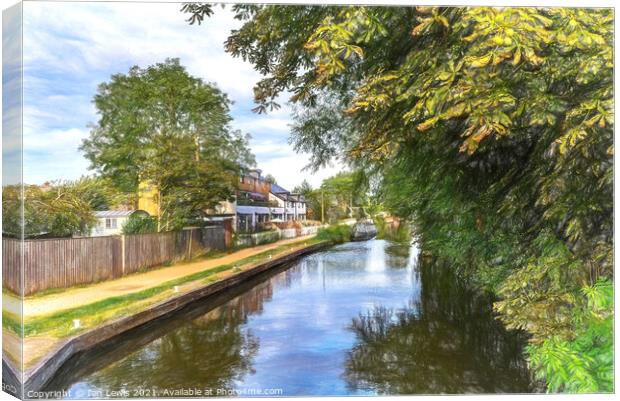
x: 252, y: 202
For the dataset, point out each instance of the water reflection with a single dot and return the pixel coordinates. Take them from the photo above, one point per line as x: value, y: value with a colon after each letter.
x: 210, y: 351
x: 443, y: 342
x: 361, y: 318
x: 204, y: 343
x: 398, y: 254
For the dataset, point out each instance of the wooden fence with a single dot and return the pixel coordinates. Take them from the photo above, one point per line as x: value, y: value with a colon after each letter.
x: 65, y: 262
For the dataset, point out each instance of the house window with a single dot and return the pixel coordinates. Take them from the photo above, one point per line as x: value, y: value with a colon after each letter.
x: 244, y: 222
x: 110, y: 223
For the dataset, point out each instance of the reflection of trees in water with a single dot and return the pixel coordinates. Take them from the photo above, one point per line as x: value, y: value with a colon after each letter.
x: 397, y: 254
x: 213, y: 350
x: 213, y: 355
x: 128, y: 361
x: 445, y: 342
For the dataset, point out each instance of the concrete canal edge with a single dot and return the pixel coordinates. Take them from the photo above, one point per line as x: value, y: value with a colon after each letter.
x: 37, y: 377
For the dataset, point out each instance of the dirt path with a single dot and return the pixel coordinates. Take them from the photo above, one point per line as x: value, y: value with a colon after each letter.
x: 136, y: 282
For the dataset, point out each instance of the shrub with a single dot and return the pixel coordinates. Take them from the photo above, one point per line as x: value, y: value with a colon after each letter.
x: 140, y: 224
x: 583, y: 363
x: 339, y: 233
x: 393, y: 230
x: 288, y: 224
x: 61, y: 210
x: 265, y: 237
x: 265, y: 226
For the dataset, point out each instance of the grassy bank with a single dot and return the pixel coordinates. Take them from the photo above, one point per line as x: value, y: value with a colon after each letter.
x: 336, y: 234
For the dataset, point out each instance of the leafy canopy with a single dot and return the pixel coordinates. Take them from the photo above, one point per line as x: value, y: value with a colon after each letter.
x: 57, y: 209
x: 161, y: 125
x: 490, y: 128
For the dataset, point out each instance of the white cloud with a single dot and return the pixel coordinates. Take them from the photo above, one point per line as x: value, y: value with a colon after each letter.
x: 289, y: 171
x: 262, y: 123
x: 267, y: 149
x: 81, y: 37
x: 52, y: 156
x: 69, y: 48
x: 63, y: 139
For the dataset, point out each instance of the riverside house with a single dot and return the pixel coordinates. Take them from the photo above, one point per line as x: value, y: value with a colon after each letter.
x: 258, y: 201
x: 290, y: 206
x: 253, y: 205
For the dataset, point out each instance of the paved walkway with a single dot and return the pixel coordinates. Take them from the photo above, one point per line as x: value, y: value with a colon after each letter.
x: 136, y: 282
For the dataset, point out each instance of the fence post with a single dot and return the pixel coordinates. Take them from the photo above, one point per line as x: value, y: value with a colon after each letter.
x: 122, y: 255
x: 228, y: 232
x: 189, y: 243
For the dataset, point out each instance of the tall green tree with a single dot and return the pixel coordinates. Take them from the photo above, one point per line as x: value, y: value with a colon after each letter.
x: 342, y: 193
x: 304, y: 188
x: 161, y: 125
x: 490, y: 128
x: 270, y: 179
x: 312, y: 197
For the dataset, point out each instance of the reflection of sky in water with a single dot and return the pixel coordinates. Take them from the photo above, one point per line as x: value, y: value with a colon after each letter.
x: 334, y: 323
x: 304, y: 328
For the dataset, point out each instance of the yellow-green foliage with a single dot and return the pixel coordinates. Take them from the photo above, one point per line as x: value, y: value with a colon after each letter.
x: 583, y: 361
x: 491, y: 129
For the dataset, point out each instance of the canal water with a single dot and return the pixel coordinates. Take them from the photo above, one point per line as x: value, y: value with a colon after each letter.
x: 361, y: 318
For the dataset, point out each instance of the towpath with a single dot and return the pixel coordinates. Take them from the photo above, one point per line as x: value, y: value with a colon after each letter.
x: 84, y: 295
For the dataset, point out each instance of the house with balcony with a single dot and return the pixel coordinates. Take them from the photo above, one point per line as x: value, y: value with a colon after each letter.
x: 258, y: 201
x: 253, y: 204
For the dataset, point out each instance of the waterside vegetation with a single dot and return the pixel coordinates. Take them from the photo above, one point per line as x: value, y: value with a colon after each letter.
x: 489, y: 128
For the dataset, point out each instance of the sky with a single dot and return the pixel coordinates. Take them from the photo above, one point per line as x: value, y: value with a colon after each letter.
x: 69, y: 48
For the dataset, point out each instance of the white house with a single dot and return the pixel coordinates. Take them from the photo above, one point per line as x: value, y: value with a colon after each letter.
x: 290, y: 206
x: 259, y: 201
x: 110, y: 222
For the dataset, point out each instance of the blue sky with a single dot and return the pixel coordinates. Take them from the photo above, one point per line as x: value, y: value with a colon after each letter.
x: 69, y: 48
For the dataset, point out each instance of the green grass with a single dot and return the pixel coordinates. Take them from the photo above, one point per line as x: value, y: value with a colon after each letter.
x: 61, y: 323
x: 52, y: 291
x: 336, y: 234
x: 11, y: 322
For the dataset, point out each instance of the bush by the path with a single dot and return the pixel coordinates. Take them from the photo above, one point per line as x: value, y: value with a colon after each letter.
x: 337, y: 234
